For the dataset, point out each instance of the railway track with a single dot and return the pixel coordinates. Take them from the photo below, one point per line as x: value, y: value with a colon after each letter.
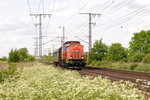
x: 141, y: 80
x: 120, y: 73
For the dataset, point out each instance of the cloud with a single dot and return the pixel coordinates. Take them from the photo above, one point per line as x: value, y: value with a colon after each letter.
x: 17, y: 29
x: 15, y: 33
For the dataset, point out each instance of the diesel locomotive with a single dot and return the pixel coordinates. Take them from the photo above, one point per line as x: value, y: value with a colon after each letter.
x: 70, y: 55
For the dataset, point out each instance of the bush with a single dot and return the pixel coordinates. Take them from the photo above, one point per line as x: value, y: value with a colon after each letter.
x: 125, y: 59
x: 146, y: 58
x: 48, y: 58
x: 133, y: 66
x: 136, y: 57
x: 99, y: 63
x: 10, y: 72
x: 3, y: 59
x: 20, y: 55
x: 30, y: 58
x: 93, y: 63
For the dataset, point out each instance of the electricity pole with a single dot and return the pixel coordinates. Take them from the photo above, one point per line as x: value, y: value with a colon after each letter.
x: 36, y: 47
x: 40, y: 29
x: 63, y: 35
x: 62, y: 39
x: 90, y: 34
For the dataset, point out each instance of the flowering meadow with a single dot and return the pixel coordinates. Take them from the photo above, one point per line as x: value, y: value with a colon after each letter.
x: 42, y: 82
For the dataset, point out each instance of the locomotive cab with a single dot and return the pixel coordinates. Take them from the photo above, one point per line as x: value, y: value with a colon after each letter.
x: 70, y: 55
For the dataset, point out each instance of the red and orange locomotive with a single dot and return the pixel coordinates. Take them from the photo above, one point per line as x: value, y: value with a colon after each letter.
x: 70, y: 55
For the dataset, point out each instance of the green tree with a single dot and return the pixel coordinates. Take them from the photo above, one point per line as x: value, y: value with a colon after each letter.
x: 140, y: 42
x: 116, y: 52
x: 23, y: 53
x: 14, y: 56
x: 99, y: 50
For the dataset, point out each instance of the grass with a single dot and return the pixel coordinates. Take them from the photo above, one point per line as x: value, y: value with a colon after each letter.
x: 4, y: 65
x: 42, y: 82
x: 9, y: 73
x: 3, y: 62
x: 122, y: 65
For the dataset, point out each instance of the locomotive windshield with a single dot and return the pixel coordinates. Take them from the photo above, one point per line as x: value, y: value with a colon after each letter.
x: 71, y: 42
x: 67, y: 44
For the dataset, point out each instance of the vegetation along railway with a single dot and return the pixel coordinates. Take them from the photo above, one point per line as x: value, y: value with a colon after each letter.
x: 141, y: 80
x: 70, y: 56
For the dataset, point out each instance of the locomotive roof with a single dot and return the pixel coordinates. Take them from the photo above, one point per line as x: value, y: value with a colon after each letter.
x: 72, y: 42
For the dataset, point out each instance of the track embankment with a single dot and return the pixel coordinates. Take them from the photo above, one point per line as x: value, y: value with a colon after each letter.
x: 141, y: 80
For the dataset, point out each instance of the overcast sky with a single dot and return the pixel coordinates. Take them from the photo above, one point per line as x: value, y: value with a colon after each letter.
x: 118, y: 21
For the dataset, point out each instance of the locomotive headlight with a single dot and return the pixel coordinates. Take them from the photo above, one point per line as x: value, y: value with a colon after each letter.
x: 82, y: 57
x: 71, y: 56
x: 71, y: 62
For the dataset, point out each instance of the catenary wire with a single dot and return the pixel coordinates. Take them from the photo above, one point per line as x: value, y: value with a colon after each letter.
x: 70, y: 18
x: 30, y: 10
x: 39, y: 6
x: 131, y: 14
x: 105, y: 7
x: 123, y: 22
x: 53, y: 6
x: 43, y: 6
